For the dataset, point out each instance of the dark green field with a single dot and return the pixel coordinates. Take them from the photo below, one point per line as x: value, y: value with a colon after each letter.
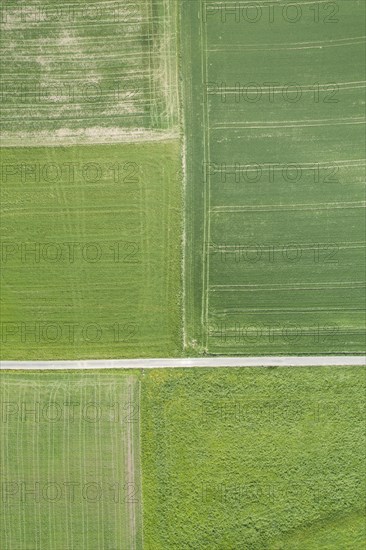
x: 275, y: 230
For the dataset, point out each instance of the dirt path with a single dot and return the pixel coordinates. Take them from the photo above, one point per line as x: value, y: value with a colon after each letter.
x: 205, y: 362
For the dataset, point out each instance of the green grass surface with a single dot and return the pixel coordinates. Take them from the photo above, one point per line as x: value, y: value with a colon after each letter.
x: 275, y: 180
x: 91, y: 251
x: 226, y: 458
x: 253, y: 459
x: 70, y: 475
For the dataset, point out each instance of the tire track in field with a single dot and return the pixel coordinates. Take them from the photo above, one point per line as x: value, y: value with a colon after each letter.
x: 130, y: 470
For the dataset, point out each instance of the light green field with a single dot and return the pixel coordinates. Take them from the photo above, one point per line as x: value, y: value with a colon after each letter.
x: 91, y: 239
x: 86, y: 71
x: 275, y: 183
x: 256, y: 459
x: 70, y: 474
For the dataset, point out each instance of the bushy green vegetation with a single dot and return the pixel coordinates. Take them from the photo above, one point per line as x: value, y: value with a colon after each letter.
x: 253, y: 458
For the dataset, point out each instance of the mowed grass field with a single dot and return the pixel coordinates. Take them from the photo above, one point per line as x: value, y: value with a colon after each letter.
x: 70, y: 457
x: 275, y: 110
x: 87, y: 71
x: 91, y: 251
x: 253, y: 459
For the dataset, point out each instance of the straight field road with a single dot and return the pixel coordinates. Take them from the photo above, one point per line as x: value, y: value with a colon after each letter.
x: 207, y: 362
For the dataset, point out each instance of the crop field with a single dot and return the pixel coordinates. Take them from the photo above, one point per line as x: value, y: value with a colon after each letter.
x: 82, y: 72
x: 70, y: 459
x: 272, y: 133
x: 91, y: 251
x: 90, y: 180
x: 274, y: 100
x: 183, y: 179
x: 253, y: 458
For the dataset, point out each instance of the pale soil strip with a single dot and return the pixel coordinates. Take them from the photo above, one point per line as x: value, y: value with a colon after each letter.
x: 287, y: 207
x: 114, y: 442
x: 83, y: 469
x: 207, y: 211
x: 45, y: 56
x: 288, y: 123
x: 88, y: 136
x: 270, y: 123
x: 139, y: 465
x: 312, y: 331
x: 51, y: 520
x: 262, y: 3
x: 285, y: 287
x: 241, y: 48
x: 262, y: 126
x: 264, y: 310
x: 66, y: 464
x: 4, y: 461
x: 98, y: 472
x: 235, y: 248
x: 20, y: 470
x: 346, y: 163
x: 205, y: 27
x: 204, y: 362
x: 205, y: 136
x: 280, y: 88
x: 186, y: 245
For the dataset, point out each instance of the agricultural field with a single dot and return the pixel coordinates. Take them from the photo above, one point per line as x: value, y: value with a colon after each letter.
x: 70, y: 454
x: 274, y: 106
x: 91, y: 255
x: 91, y: 180
x: 253, y: 458
x: 270, y: 123
x: 91, y: 71
x: 182, y: 178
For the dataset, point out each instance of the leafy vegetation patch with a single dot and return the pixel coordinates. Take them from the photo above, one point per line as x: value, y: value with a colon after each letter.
x: 253, y: 458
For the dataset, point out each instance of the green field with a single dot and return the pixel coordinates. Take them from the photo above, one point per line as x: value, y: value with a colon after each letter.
x: 70, y: 454
x: 87, y: 71
x: 183, y: 459
x: 253, y: 459
x: 91, y: 255
x: 272, y: 133
x: 90, y: 181
x: 182, y: 178
x: 275, y: 212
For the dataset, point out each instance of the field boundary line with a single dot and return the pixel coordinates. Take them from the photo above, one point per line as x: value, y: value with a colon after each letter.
x: 202, y: 362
